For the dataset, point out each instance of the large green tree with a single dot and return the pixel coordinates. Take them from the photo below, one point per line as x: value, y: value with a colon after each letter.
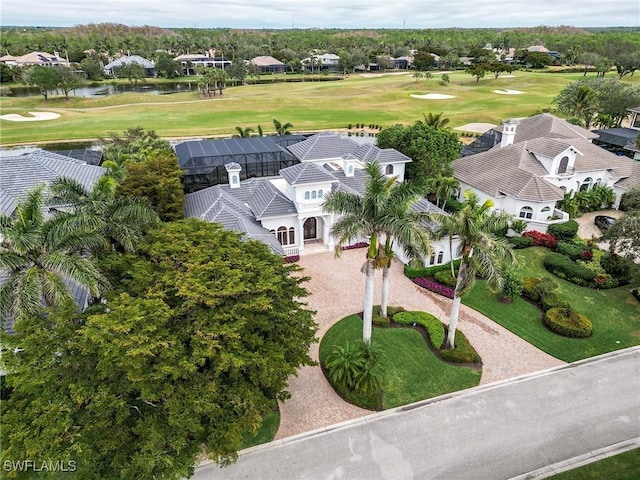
x: 482, y: 253
x: 39, y: 260
x: 188, y: 354
x: 45, y: 78
x: 431, y: 149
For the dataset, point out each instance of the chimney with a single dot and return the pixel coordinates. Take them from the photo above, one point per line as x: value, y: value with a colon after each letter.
x: 508, y: 132
x: 233, y: 171
x: 348, y: 165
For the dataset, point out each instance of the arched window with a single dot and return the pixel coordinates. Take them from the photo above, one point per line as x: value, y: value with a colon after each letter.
x: 292, y: 236
x: 313, y: 194
x: 545, y: 209
x: 598, y: 181
x: 432, y: 260
x: 350, y: 169
x: 320, y: 193
x: 234, y: 179
x: 282, y: 236
x: 389, y: 170
x: 562, y: 168
x: 586, y: 184
x: 307, y: 195
x: 526, y: 212
x: 440, y: 255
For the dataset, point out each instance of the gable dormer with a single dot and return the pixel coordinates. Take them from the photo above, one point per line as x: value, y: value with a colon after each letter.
x: 557, y: 158
x: 564, y: 163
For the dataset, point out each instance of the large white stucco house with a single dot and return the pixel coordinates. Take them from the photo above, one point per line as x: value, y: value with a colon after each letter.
x: 529, y: 165
x: 285, y: 211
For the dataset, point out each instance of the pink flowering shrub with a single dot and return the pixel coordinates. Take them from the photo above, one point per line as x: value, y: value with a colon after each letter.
x: 542, y: 239
x: 434, y: 287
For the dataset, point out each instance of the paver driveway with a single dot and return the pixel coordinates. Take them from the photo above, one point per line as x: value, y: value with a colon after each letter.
x: 337, y: 288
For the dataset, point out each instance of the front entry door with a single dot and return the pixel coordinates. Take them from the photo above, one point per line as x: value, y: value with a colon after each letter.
x: 309, y: 228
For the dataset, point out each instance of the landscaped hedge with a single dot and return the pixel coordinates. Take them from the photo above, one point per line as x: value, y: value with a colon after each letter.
x: 567, y: 322
x: 572, y: 250
x: 618, y: 267
x: 564, y: 267
x: 434, y: 287
x: 542, y: 239
x: 521, y: 242
x: 433, y: 326
x: 463, y: 353
x: 444, y: 277
x: 553, y: 300
x: 529, y: 291
x: 412, y: 272
x: 564, y: 231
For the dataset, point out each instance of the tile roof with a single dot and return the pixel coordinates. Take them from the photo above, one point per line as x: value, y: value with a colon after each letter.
x: 127, y: 60
x: 21, y: 173
x: 306, y: 172
x: 510, y: 170
x: 266, y: 60
x: 369, y: 152
x: 549, y: 126
x: 323, y: 146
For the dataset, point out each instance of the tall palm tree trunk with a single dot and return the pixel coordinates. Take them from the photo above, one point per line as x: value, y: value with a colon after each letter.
x: 385, y: 292
x: 367, y: 313
x: 453, y: 322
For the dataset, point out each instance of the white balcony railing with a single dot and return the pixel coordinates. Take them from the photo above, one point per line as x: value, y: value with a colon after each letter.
x: 310, y: 206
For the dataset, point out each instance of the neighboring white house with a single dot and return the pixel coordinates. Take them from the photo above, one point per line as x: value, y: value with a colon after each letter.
x: 190, y: 62
x: 285, y: 211
x: 534, y: 162
x: 36, y: 58
x: 112, y: 67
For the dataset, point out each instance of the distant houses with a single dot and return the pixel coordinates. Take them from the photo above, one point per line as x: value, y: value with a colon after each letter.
x: 189, y: 63
x: 35, y: 58
x: 268, y: 64
x: 112, y: 67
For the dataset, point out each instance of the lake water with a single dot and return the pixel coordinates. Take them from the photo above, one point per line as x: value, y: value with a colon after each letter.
x: 114, y: 89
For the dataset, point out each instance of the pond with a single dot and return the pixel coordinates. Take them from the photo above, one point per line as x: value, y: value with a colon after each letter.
x: 101, y: 90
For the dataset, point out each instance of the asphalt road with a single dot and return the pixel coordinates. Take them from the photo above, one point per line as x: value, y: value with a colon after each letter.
x: 496, y: 431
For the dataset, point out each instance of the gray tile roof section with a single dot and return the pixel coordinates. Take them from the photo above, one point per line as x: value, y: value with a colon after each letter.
x: 633, y: 180
x: 549, y: 126
x: 306, y: 172
x: 369, y: 153
x: 511, y: 170
x: 355, y: 184
x: 239, y: 209
x: 328, y: 145
x: 21, y: 173
x: 515, y: 170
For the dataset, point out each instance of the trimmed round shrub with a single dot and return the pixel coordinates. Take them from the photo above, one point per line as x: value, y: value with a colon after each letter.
x: 545, y: 287
x: 379, y: 321
x: 564, y: 231
x: 567, y: 322
x: 529, y: 285
x: 433, y: 326
x: 564, y: 267
x: 521, y: 242
x: 542, y: 239
x: 463, y: 353
x: 391, y: 311
x: 553, y: 300
x: 444, y: 277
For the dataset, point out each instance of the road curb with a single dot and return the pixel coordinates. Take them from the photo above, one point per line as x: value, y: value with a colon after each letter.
x: 580, y: 460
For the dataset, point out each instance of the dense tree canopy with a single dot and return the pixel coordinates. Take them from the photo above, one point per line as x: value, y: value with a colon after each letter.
x: 431, y: 149
x: 188, y: 354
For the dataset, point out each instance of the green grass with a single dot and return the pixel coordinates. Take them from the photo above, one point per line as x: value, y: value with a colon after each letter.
x: 309, y: 106
x: 624, y: 466
x: 266, y: 432
x: 615, y: 314
x: 411, y: 371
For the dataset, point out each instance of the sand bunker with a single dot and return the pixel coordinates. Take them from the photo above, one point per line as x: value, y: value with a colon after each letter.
x: 433, y: 96
x: 475, y: 127
x: 508, y: 92
x: 507, y: 76
x: 36, y: 117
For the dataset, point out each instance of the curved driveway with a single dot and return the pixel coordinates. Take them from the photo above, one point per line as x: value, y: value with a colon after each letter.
x: 337, y: 288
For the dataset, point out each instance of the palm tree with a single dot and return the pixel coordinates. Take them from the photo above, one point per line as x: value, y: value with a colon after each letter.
x: 481, y: 251
x: 362, y: 217
x: 417, y: 76
x: 282, y: 129
x: 404, y: 226
x: 444, y: 188
x: 38, y: 259
x: 243, y: 132
x: 435, y: 121
x: 120, y: 220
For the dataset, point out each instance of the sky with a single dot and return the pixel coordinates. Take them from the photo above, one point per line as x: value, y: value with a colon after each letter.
x: 323, y: 13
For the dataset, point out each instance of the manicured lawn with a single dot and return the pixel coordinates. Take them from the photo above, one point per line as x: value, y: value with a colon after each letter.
x: 624, y: 466
x: 615, y: 314
x: 265, y: 433
x: 309, y: 106
x: 411, y: 371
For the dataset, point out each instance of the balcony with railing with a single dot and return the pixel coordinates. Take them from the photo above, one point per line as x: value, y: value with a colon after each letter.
x: 313, y: 206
